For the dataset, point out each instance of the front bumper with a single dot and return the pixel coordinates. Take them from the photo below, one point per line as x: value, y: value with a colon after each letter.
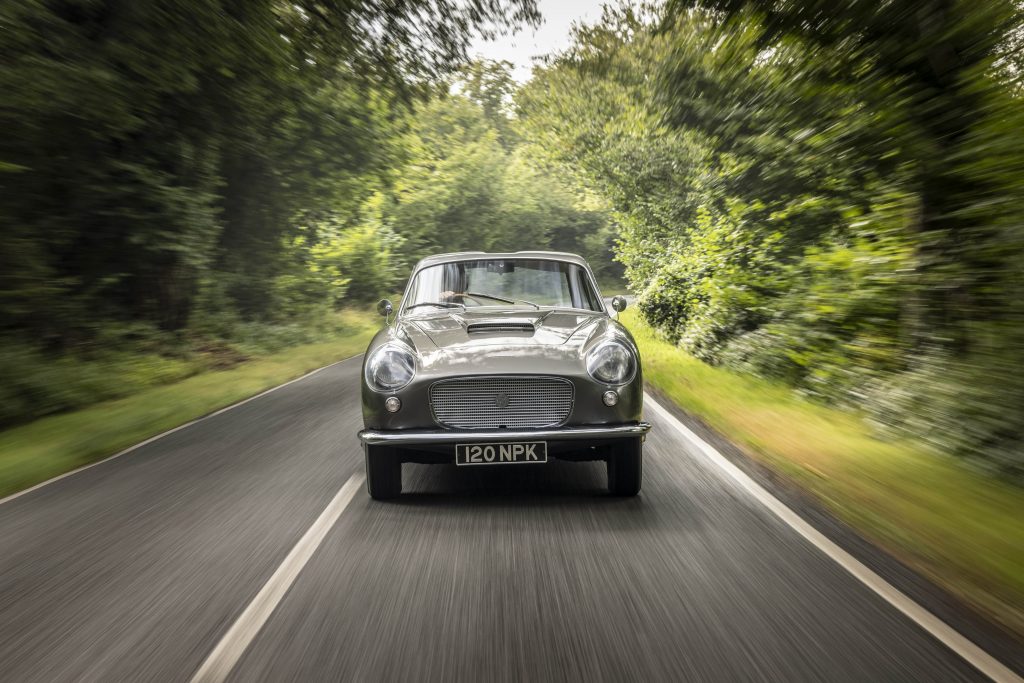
x: 424, y: 437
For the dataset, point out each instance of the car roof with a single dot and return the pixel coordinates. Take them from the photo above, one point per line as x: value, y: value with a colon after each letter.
x: 487, y: 256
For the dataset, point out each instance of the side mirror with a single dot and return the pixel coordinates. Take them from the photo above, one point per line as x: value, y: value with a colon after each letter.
x: 384, y: 307
x: 619, y: 303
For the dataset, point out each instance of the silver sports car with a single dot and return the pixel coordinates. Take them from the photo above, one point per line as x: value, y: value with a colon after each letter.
x: 502, y: 360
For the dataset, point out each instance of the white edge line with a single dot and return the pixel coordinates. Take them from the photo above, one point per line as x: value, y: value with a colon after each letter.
x: 169, y: 431
x: 223, y: 658
x: 940, y: 630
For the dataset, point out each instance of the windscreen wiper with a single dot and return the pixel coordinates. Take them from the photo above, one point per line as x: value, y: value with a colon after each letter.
x: 501, y: 298
x: 441, y: 304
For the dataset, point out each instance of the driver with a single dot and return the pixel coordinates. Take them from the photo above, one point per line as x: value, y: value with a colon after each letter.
x: 456, y: 281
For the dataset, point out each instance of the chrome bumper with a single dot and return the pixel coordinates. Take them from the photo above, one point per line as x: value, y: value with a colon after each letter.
x: 421, y: 436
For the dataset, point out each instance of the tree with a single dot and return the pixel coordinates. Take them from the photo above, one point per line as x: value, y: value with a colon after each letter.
x: 147, y: 143
x: 823, y: 193
x: 926, y: 68
x: 490, y: 86
x: 588, y: 113
x: 471, y: 185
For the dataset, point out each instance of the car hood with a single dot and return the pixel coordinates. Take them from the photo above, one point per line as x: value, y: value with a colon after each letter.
x: 548, y: 341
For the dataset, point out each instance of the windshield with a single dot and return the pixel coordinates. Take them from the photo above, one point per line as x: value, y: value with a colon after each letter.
x: 530, y: 283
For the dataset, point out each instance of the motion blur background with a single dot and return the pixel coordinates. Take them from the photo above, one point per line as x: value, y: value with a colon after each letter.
x: 822, y: 196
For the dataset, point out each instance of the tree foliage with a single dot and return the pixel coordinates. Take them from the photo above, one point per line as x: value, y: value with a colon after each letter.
x: 825, y: 193
x: 471, y: 184
x: 197, y: 174
x: 150, y: 144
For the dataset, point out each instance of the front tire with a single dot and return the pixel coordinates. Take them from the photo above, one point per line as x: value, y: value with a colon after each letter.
x: 383, y: 472
x: 625, y: 467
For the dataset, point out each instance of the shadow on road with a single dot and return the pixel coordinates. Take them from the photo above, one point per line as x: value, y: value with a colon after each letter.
x: 532, y: 494
x: 563, y: 482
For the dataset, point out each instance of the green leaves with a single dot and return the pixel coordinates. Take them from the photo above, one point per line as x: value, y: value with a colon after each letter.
x: 151, y: 146
x: 827, y: 193
x: 471, y: 183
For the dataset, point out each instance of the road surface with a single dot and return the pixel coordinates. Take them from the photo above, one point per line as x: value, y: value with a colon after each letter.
x: 136, y: 568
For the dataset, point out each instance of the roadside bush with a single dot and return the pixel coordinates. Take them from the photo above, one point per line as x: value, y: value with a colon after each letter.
x: 839, y: 325
x: 365, y: 254
x: 37, y: 384
x: 306, y: 285
x: 968, y: 406
x: 257, y: 338
x: 126, y: 359
x: 216, y: 314
x: 718, y: 286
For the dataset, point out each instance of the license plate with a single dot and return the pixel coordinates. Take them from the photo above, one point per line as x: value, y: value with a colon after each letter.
x: 501, y: 453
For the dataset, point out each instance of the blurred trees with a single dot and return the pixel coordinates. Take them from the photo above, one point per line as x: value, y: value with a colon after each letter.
x: 826, y: 193
x: 470, y: 185
x: 198, y: 174
x: 922, y: 72
x: 149, y: 147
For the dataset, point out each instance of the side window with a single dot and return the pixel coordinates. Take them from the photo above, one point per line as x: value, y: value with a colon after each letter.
x: 583, y: 293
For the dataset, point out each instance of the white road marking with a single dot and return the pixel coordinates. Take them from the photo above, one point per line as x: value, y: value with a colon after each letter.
x: 168, y: 432
x: 943, y: 632
x: 222, y: 659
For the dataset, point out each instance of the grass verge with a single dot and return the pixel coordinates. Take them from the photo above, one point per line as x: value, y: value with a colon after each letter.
x: 961, y: 528
x: 39, y: 450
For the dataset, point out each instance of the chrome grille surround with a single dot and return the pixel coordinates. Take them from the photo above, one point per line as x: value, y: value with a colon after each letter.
x: 501, y: 402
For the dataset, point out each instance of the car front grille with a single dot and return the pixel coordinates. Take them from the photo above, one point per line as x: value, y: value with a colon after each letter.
x: 503, y: 402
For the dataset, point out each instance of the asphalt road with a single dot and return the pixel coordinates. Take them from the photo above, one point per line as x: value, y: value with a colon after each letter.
x: 136, y: 568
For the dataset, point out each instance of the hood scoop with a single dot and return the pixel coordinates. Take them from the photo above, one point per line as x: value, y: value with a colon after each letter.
x: 525, y: 329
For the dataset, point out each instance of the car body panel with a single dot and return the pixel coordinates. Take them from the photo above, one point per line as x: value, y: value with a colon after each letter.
x: 456, y: 342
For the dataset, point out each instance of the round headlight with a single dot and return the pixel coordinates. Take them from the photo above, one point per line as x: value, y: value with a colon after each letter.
x: 611, y: 363
x: 390, y: 367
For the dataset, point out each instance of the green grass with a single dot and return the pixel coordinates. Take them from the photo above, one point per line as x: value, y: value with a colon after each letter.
x: 960, y: 527
x: 36, y: 451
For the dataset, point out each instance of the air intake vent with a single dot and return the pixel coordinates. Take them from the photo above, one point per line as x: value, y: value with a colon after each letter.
x: 500, y: 327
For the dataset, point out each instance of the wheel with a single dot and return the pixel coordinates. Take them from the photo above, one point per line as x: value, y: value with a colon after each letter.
x: 625, y: 467
x: 383, y: 472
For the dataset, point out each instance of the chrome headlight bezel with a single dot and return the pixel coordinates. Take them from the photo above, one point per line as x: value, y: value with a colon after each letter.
x: 602, y: 357
x: 389, y: 357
